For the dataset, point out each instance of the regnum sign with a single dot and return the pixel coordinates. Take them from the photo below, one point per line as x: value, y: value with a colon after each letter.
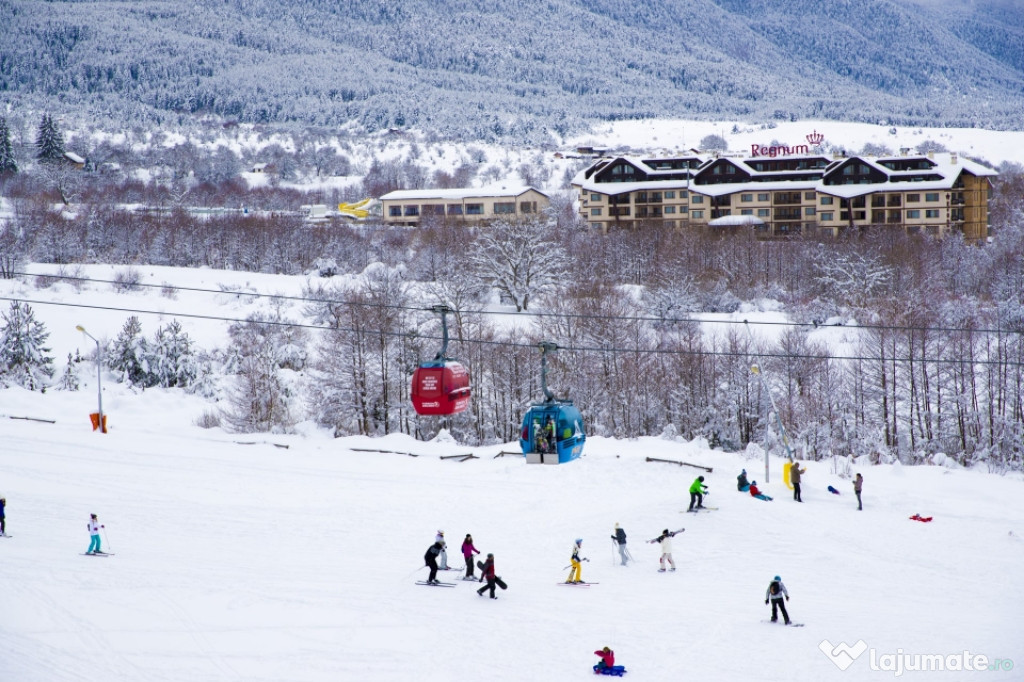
x: 814, y: 139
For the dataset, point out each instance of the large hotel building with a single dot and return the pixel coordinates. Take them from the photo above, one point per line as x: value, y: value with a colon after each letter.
x: 780, y: 193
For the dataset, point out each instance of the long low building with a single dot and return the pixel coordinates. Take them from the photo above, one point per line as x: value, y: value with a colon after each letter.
x: 411, y: 207
x: 782, y: 195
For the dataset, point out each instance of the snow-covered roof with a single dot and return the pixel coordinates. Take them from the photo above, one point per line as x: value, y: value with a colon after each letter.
x: 735, y: 221
x: 456, y: 194
x: 73, y: 157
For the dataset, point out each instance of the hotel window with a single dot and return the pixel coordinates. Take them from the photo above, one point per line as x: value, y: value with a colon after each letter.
x: 931, y: 196
x: 670, y: 209
x: 697, y: 214
x: 913, y: 198
x: 808, y: 210
x: 474, y: 209
x: 809, y: 196
x: 697, y: 199
x: 746, y: 197
x: 931, y: 213
x: 827, y: 216
x: 746, y: 211
x: 595, y: 211
x: 412, y: 210
x: 762, y: 197
x: 504, y: 207
x: 454, y: 209
x: 913, y: 213
x: 595, y: 197
x: 826, y: 201
x: 763, y: 212
x: 670, y: 195
x: 395, y: 211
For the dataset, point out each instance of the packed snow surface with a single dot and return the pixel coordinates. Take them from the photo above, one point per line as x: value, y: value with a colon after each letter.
x: 238, y: 558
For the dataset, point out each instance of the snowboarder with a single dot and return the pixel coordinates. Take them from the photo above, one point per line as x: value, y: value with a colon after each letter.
x: 665, y: 540
x: 607, y: 659
x: 94, y: 535
x: 467, y: 553
x: 3, y: 516
x: 620, y: 539
x: 575, y: 573
x: 431, y: 560
x: 697, y: 492
x: 755, y: 492
x: 777, y: 595
x: 443, y: 565
x: 487, y: 573
x: 794, y: 477
x: 858, y: 484
x: 742, y: 484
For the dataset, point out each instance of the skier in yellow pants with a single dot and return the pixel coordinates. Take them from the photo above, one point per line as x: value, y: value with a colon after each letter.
x: 575, y: 573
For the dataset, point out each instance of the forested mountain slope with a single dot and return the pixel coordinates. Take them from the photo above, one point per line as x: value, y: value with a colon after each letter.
x: 463, y: 69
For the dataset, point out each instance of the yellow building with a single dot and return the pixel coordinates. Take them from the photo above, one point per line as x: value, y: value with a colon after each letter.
x: 410, y: 207
x: 789, y: 194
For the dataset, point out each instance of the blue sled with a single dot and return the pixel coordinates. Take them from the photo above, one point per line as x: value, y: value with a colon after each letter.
x: 615, y: 670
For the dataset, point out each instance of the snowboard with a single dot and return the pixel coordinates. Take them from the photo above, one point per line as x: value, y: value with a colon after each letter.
x: 791, y: 624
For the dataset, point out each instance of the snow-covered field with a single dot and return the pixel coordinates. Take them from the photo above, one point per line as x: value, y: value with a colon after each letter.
x: 237, y: 559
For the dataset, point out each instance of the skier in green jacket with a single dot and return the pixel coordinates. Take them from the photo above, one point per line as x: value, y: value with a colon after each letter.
x: 697, y: 492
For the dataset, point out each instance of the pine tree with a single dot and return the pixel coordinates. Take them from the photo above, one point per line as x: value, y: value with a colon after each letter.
x: 7, y: 163
x: 69, y: 380
x: 130, y: 356
x: 172, y: 358
x: 50, y: 141
x: 23, y: 358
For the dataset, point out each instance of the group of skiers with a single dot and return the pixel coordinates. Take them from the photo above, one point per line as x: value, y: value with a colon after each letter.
x: 436, y: 559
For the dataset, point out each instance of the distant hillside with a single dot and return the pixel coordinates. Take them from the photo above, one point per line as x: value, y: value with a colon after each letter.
x: 462, y: 69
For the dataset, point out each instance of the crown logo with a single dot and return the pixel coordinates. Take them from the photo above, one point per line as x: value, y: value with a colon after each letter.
x: 815, y: 138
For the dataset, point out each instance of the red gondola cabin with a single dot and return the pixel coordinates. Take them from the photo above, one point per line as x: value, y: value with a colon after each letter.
x: 440, y: 387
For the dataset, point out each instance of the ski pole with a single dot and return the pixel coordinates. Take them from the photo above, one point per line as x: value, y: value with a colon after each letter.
x: 613, y: 550
x: 106, y: 539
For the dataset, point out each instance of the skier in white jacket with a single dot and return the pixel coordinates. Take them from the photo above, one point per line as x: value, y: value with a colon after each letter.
x: 443, y: 559
x: 94, y: 533
x: 665, y: 540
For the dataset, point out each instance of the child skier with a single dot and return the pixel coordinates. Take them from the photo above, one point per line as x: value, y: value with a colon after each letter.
x: 620, y: 539
x: 697, y: 492
x: 443, y: 565
x: 467, y: 553
x: 94, y: 535
x: 742, y: 484
x: 665, y: 540
x: 487, y: 573
x: 575, y: 574
x: 755, y: 492
x: 778, y: 596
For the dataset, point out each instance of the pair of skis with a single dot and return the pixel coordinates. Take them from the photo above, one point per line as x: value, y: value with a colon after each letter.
x: 97, y: 554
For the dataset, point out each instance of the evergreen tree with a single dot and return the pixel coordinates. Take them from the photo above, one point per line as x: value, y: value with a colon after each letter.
x: 23, y: 358
x: 129, y: 355
x: 69, y: 380
x: 172, y: 358
x: 7, y: 163
x: 50, y: 141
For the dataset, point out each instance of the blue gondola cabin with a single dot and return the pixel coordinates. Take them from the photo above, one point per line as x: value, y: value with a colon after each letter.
x: 440, y: 388
x: 552, y: 433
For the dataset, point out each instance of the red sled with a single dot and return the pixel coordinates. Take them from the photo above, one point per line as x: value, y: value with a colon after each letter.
x: 615, y: 670
x: 918, y: 517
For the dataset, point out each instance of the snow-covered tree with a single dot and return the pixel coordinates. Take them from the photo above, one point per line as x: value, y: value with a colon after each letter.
x: 260, y: 399
x: 7, y: 163
x: 129, y: 355
x: 69, y: 380
x: 519, y: 259
x: 172, y: 357
x: 24, y: 360
x: 49, y: 141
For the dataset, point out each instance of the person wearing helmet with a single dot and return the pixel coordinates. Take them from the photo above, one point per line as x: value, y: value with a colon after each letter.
x: 575, y: 573
x: 697, y: 492
x: 487, y: 573
x: 756, y: 492
x: 443, y: 558
x: 430, y: 558
x: 777, y: 596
